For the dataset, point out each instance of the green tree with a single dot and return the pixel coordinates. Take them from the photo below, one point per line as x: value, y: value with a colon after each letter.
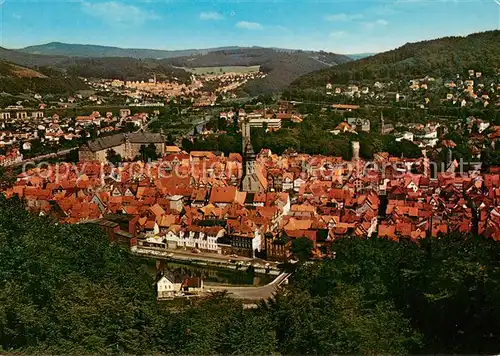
x: 148, y: 153
x: 302, y: 248
x: 113, y: 157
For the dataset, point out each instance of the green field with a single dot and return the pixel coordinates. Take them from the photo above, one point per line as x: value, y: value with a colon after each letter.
x: 219, y: 70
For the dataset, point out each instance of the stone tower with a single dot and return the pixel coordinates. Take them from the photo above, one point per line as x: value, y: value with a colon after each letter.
x: 355, y: 151
x: 250, y: 182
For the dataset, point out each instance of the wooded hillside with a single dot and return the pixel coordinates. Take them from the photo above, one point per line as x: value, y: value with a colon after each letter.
x: 444, y: 57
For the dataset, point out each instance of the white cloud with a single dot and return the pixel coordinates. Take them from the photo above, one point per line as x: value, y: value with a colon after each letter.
x: 118, y: 13
x: 343, y: 17
x: 16, y: 16
x: 377, y: 23
x: 211, y: 16
x: 338, y: 34
x: 249, y: 25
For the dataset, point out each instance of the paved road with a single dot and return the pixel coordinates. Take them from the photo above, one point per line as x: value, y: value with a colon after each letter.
x: 252, y: 293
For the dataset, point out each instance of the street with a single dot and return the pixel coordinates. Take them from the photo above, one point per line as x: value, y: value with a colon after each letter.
x: 251, y: 293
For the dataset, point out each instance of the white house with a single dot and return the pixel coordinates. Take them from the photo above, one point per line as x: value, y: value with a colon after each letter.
x: 167, y: 286
x: 287, y: 182
x: 297, y: 183
x: 405, y: 136
x: 195, y: 237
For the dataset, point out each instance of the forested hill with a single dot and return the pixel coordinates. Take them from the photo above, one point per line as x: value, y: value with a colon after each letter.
x: 124, y: 69
x: 282, y: 66
x: 65, y: 290
x: 15, y: 79
x: 106, y: 68
x: 444, y: 57
x: 95, y: 51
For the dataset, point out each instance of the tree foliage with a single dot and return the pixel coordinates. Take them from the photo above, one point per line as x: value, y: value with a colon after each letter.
x: 444, y: 57
x: 301, y: 248
x: 148, y: 153
x: 65, y: 289
x: 113, y: 157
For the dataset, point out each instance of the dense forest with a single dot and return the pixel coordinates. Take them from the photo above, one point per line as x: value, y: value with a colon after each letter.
x: 65, y: 289
x: 444, y: 57
x: 124, y: 69
x: 15, y: 79
x: 96, y: 51
x: 52, y: 85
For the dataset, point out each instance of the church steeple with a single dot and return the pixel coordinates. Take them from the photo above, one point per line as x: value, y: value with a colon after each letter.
x: 250, y: 181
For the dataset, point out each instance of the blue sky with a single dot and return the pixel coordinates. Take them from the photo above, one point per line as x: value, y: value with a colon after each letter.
x: 331, y: 25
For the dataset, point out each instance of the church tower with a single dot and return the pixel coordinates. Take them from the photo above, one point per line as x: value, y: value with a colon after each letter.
x: 250, y: 182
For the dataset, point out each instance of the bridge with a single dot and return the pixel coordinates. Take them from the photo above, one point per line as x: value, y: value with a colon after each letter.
x: 252, y: 293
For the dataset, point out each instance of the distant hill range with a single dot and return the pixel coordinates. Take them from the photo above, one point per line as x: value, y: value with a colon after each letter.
x: 283, y: 66
x: 444, y: 57
x: 86, y: 50
x: 357, y: 56
x: 62, y: 67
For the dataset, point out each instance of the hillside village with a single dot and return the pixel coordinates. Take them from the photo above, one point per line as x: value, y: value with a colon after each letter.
x: 33, y: 133
x: 471, y: 89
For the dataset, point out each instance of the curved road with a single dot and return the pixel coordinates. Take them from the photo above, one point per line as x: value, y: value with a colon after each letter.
x: 252, y: 293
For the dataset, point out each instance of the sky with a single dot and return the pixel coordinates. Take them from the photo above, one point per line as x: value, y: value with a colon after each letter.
x: 339, y: 26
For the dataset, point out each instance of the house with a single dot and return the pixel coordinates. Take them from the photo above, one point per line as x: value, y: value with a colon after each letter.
x: 37, y: 114
x: 192, y: 285
x: 343, y: 127
x: 5, y: 115
x: 278, y: 248
x: 359, y: 124
x: 195, y: 237
x: 21, y: 115
x: 404, y: 136
x: 167, y: 285
x: 344, y: 107
x: 176, y: 203
x: 287, y: 182
x: 125, y: 113
x: 297, y: 183
x: 223, y: 196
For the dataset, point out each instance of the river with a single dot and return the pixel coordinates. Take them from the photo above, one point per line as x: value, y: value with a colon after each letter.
x: 211, y: 275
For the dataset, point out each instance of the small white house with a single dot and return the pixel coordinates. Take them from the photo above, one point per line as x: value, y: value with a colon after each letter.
x: 405, y: 136
x: 167, y: 286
